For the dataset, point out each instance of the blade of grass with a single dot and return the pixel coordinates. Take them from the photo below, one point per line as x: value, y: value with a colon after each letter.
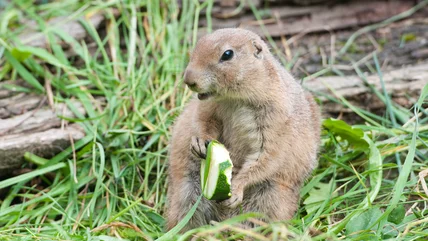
x: 389, y: 107
x: 384, y: 23
x: 23, y: 72
x: 174, y: 231
x: 30, y: 175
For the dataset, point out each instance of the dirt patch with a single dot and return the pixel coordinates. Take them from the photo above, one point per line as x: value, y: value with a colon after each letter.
x: 402, y: 43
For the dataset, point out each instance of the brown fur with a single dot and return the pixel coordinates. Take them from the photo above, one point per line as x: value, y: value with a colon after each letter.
x: 270, y: 126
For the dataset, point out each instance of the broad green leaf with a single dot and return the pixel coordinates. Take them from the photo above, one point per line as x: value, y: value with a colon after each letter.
x: 351, y: 134
x: 397, y: 215
x: 362, y: 222
x: 317, y: 195
x: 20, y: 55
x: 390, y: 230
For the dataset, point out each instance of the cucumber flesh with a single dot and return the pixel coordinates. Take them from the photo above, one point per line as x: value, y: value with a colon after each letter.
x: 216, y: 172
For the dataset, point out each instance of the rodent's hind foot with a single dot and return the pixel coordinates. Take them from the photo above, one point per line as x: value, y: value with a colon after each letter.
x: 198, y: 147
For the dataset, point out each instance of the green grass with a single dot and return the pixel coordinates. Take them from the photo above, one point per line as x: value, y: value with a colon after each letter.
x: 129, y: 79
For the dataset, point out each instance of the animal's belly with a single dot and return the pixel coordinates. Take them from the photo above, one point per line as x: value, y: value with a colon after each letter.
x: 243, y: 144
x: 241, y: 133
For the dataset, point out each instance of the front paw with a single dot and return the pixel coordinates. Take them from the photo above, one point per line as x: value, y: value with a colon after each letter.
x: 198, y: 147
x: 235, y: 200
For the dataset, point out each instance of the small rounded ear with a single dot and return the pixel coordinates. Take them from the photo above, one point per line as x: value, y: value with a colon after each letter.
x: 258, y: 49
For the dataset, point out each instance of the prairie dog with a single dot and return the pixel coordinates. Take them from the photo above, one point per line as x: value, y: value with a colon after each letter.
x: 246, y: 100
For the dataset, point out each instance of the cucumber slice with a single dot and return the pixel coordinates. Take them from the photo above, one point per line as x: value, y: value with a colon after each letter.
x: 216, y: 172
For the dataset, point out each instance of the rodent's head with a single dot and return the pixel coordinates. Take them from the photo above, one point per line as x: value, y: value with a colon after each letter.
x: 227, y: 63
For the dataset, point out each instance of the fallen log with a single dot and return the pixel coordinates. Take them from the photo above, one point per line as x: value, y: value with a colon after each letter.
x: 290, y: 20
x: 18, y: 104
x: 45, y: 143
x: 37, y: 120
x: 403, y: 85
x: 29, y: 124
x: 73, y: 28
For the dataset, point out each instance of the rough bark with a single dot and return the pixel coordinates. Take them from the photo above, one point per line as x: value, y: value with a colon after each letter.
x: 73, y: 28
x: 403, y: 85
x: 45, y: 143
x: 284, y: 20
x: 37, y: 120
x: 28, y: 124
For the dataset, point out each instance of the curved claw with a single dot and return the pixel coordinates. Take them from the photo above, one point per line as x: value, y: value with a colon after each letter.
x: 198, y: 147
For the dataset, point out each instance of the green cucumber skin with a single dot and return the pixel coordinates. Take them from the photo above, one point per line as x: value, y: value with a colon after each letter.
x: 222, y: 184
x: 222, y: 191
x: 207, y: 161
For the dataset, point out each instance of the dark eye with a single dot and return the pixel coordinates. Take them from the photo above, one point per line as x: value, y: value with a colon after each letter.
x: 227, y: 55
